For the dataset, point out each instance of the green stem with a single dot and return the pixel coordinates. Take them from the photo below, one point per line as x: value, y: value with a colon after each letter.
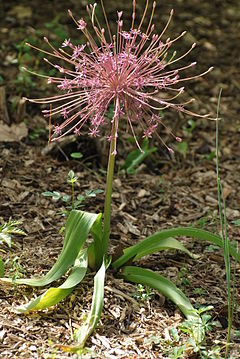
x: 72, y: 195
x: 108, y: 195
x: 223, y: 223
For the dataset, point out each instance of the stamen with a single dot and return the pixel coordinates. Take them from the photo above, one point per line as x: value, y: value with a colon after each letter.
x: 49, y: 125
x: 144, y: 14
x: 106, y: 20
x: 153, y: 9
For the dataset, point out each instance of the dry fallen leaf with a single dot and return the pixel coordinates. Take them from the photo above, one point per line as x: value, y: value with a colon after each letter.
x: 13, y: 133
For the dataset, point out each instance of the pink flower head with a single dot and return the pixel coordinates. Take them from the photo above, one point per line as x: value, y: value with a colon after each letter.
x: 50, y: 81
x: 119, y: 13
x: 130, y: 70
x: 66, y: 43
x: 81, y: 24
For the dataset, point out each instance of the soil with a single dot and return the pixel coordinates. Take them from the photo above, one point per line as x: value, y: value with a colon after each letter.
x: 164, y: 192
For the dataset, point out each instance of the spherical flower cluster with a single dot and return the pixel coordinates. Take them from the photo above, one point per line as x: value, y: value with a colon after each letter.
x: 131, y: 70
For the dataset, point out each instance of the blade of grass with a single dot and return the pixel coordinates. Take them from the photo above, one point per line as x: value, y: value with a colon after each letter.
x: 225, y: 240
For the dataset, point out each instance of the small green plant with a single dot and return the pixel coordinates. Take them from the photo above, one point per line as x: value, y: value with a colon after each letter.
x: 200, y: 291
x: 72, y: 180
x: 36, y: 133
x: 7, y: 230
x: 204, y: 325
x: 185, y: 340
x: 211, y: 248
x: 71, y: 201
x: 182, y: 146
x: 56, y: 28
x: 236, y: 222
x: 193, y: 343
x: 136, y: 157
x: 211, y: 156
x: 143, y: 293
x: 2, y: 266
x: 24, y: 81
x: 209, y: 220
x: 16, y: 269
x: 182, y: 277
x: 153, y: 339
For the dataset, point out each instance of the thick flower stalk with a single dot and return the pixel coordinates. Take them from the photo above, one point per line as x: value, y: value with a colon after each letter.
x: 133, y: 70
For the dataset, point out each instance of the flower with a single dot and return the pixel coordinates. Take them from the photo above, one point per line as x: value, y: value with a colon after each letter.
x: 133, y: 70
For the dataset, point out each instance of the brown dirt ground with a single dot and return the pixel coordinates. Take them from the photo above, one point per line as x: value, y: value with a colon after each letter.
x: 163, y: 193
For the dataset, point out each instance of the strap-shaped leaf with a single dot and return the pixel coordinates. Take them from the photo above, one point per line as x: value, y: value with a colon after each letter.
x: 158, y: 238
x: 54, y: 295
x: 168, y: 289
x: 94, y: 315
x: 97, y: 247
x: 161, y: 284
x: 166, y: 243
x: 78, y: 226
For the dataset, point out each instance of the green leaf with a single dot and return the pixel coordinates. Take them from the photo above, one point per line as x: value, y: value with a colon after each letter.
x: 93, y: 193
x: 55, y: 195
x: 149, y: 246
x: 16, y: 231
x: 163, y: 285
x: 155, y: 240
x: 78, y: 226
x: 71, y: 174
x: 54, y: 295
x: 182, y: 148
x: 136, y: 157
x: 94, y: 315
x: 154, y: 280
x: 1, y: 267
x: 9, y: 228
x: 47, y: 194
x: 174, y: 334
x: 80, y: 198
x: 236, y: 222
x: 71, y: 177
x: 66, y: 198
x: 5, y: 237
x: 76, y: 155
x: 97, y: 249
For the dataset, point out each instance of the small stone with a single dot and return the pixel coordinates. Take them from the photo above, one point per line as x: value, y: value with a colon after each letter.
x: 142, y: 193
x: 33, y: 348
